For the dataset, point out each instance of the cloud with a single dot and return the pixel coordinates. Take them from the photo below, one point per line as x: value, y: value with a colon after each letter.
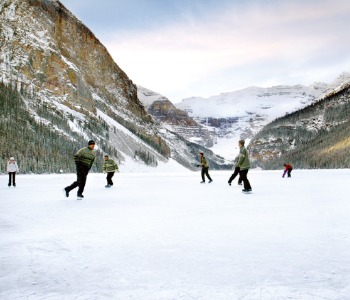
x: 234, y: 46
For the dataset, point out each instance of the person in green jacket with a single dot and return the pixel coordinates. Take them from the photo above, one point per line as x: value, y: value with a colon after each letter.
x: 244, y: 164
x: 110, y: 167
x: 84, y: 159
x: 205, y: 168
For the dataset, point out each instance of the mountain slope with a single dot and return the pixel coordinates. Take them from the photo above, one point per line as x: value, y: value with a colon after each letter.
x: 51, y: 58
x: 39, y: 147
x: 317, y: 136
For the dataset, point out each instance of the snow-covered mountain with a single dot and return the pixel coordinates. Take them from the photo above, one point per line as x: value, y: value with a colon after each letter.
x: 224, y: 119
x: 269, y: 102
x: 317, y: 136
x: 243, y: 113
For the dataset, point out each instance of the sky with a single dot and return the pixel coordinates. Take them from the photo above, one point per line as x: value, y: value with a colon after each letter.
x: 201, y: 48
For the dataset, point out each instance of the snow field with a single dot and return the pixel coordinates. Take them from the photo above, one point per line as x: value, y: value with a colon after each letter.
x: 166, y: 236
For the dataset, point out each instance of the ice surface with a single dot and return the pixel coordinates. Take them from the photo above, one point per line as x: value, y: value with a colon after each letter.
x: 166, y: 236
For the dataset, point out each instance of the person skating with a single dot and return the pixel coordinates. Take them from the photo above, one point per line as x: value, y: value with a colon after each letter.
x: 288, y: 168
x: 110, y: 167
x: 244, y: 164
x: 205, y: 168
x: 12, y: 169
x: 235, y: 173
x: 84, y: 159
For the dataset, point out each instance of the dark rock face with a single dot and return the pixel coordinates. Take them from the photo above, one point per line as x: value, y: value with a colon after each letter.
x: 51, y: 50
x: 166, y: 112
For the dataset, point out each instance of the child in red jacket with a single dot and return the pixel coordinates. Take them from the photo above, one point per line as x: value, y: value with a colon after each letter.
x: 287, y: 169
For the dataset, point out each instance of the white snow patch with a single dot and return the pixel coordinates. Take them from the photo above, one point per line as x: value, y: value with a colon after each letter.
x: 70, y: 64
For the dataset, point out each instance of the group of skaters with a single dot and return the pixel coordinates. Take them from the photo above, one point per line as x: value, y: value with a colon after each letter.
x: 241, y: 168
x: 85, y: 157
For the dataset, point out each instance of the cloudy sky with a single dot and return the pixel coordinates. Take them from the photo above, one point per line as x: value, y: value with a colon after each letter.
x: 185, y: 48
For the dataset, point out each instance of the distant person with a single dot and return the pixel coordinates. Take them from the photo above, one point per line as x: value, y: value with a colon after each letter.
x: 288, y: 168
x: 110, y: 167
x: 205, y: 168
x: 235, y: 173
x: 12, y: 169
x: 244, y: 164
x: 84, y: 159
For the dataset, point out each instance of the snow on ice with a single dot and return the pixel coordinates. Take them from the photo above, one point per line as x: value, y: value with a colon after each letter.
x: 166, y: 236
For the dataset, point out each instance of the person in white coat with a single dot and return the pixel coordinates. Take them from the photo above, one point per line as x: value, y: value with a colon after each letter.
x: 12, y: 169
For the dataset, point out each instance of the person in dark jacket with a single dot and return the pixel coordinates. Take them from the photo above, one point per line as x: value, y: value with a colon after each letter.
x: 205, y: 168
x: 110, y: 167
x: 244, y: 164
x: 235, y: 173
x: 288, y: 168
x: 84, y: 159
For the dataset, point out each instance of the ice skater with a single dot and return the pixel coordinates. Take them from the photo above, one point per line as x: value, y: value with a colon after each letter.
x: 244, y: 165
x: 110, y: 167
x: 235, y: 173
x: 288, y: 168
x: 84, y: 159
x: 205, y: 168
x: 12, y: 169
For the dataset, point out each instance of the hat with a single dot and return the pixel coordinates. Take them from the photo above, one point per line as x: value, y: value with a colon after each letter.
x: 12, y: 158
x: 91, y: 142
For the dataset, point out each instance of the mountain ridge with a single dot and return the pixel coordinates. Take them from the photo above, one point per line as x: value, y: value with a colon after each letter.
x: 50, y: 57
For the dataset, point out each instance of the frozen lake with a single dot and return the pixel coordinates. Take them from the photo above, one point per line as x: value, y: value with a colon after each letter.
x: 166, y: 236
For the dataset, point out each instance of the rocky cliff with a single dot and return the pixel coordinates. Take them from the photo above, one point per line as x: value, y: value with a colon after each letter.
x: 45, y: 48
x: 49, y: 55
x: 174, y: 119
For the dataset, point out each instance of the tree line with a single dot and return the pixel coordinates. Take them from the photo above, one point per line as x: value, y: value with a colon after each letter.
x: 39, y: 136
